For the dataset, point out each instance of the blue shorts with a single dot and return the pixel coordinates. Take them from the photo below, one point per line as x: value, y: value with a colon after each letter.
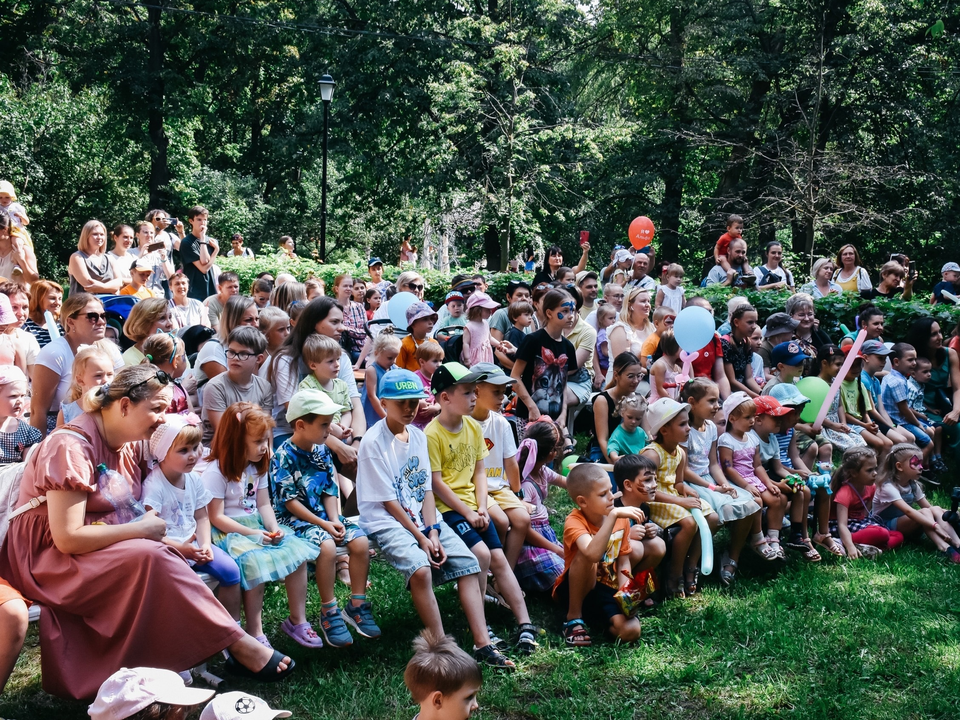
x: 316, y: 535
x: 469, y: 534
x: 918, y: 434
x: 600, y: 605
x: 401, y: 550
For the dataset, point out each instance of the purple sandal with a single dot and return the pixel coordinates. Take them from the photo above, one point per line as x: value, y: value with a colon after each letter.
x: 303, y: 634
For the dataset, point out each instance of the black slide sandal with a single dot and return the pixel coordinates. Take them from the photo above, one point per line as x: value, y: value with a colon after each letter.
x: 268, y: 673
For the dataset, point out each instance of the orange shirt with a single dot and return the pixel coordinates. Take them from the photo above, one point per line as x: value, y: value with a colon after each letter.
x: 143, y: 293
x: 723, y: 244
x: 618, y: 545
x: 407, y: 359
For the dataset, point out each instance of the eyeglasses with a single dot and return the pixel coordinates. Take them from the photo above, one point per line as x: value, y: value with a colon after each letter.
x: 93, y: 317
x: 161, y: 377
x: 242, y: 356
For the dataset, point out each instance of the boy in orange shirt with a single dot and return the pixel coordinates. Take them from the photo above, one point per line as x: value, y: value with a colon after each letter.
x: 720, y: 250
x: 596, y: 554
x: 420, y: 320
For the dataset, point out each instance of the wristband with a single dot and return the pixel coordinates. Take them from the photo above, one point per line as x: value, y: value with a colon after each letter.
x: 427, y: 528
x: 711, y: 486
x: 519, y: 494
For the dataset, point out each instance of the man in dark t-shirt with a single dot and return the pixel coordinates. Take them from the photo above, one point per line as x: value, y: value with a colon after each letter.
x: 198, y: 253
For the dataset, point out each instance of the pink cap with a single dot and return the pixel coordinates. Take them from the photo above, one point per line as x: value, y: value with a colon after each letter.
x: 11, y: 374
x: 481, y: 299
x: 128, y: 691
x: 6, y: 311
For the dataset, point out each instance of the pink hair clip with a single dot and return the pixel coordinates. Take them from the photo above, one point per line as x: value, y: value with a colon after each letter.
x: 191, y: 418
x: 239, y: 418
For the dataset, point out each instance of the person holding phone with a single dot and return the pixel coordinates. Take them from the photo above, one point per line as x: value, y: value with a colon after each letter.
x: 168, y: 230
x: 154, y: 252
x: 895, y: 280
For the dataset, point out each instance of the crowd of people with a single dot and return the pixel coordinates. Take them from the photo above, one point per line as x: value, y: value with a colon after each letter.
x: 254, y: 432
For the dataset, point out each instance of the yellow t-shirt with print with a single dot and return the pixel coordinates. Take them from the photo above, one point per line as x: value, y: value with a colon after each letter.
x: 456, y: 455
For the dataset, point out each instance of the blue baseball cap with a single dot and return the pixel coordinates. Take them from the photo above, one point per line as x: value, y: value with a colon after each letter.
x: 788, y: 353
x: 788, y: 395
x: 374, y: 261
x: 400, y: 385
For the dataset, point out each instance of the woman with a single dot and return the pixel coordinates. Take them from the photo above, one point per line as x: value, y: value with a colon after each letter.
x: 84, y: 322
x: 738, y: 350
x: 212, y: 359
x: 633, y: 326
x: 123, y: 255
x: 892, y: 275
x: 237, y: 249
x: 409, y: 281
x: 322, y: 316
x: 942, y: 391
x: 148, y: 317
x: 359, y: 290
x: 113, y: 595
x: 553, y: 261
x: 808, y: 333
x: 185, y: 311
x: 90, y: 268
x: 354, y: 317
x: 45, y: 296
x: 850, y: 276
x: 16, y: 252
x: 287, y: 293
x: 26, y: 344
x: 772, y: 275
x: 627, y: 372
x: 822, y: 285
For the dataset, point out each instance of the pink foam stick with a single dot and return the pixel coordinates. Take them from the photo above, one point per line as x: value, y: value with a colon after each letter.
x: 835, y: 386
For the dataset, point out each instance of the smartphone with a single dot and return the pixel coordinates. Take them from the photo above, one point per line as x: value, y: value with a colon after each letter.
x: 913, y: 267
x: 584, y: 237
x: 172, y: 223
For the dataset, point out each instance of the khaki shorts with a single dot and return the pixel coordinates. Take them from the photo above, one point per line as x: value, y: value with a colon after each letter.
x: 505, y: 498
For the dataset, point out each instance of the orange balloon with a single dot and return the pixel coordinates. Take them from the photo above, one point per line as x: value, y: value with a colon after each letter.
x: 641, y: 232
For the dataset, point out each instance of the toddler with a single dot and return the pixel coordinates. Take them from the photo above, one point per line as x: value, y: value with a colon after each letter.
x: 606, y: 316
x: 386, y: 347
x: 16, y: 436
x: 663, y: 373
x: 168, y: 353
x: 180, y: 499
x: 429, y: 356
x: 322, y: 355
x: 852, y: 520
x: 671, y: 293
x: 722, y: 248
x: 477, y: 342
x: 663, y: 318
x: 628, y: 438
x: 306, y: 496
x: 454, y: 320
x: 756, y: 361
x: 420, y: 321
x: 442, y: 679
x: 520, y: 314
x: 918, y: 382
x: 92, y: 367
x: 8, y: 201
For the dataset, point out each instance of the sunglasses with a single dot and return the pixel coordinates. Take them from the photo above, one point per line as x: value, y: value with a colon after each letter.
x: 415, y: 286
x: 93, y: 317
x: 160, y: 376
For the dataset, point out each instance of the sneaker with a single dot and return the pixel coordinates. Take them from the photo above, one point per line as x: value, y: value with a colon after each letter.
x: 952, y: 555
x: 335, y: 629
x: 360, y: 618
x: 939, y: 465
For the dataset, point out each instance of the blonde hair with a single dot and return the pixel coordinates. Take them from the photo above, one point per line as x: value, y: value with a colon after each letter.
x: 87, y: 232
x: 628, y: 302
x: 747, y: 407
x: 85, y: 354
x: 887, y: 472
x: 632, y: 402
x: 407, y: 277
x: 429, y: 351
x: 386, y: 340
x: 604, y: 310
x: 313, y: 284
x: 162, y: 348
x: 136, y: 382
x: 675, y: 269
x: 271, y: 315
x: 317, y: 348
x: 143, y: 317
x: 189, y: 436
x: 851, y: 463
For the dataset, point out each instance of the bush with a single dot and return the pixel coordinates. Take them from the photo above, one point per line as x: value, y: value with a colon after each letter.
x: 837, y: 310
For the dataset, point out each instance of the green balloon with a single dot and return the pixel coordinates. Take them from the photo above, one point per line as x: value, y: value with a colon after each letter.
x: 815, y: 389
x: 567, y: 462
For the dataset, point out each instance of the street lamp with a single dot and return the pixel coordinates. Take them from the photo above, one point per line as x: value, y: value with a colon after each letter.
x: 326, y: 94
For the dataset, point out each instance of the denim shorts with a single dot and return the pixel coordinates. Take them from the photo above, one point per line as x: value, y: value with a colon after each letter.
x: 401, y: 550
x: 469, y: 534
x: 922, y: 438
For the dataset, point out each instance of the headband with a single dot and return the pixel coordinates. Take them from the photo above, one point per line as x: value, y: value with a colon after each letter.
x: 162, y: 439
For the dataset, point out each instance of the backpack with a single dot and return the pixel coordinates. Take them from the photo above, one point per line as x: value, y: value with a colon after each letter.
x: 452, y: 348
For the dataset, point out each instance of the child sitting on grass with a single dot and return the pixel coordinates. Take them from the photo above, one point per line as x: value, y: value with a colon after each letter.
x: 442, y: 679
x: 322, y: 355
x: 852, y: 520
x: 596, y: 556
x: 636, y: 479
x: 92, y: 368
x: 386, y: 348
x: 430, y: 357
x: 398, y: 510
x: 306, y: 497
x: 628, y: 437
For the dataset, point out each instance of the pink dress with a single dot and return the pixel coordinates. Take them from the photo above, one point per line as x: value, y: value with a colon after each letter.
x: 479, y: 350
x: 669, y: 384
x: 135, y: 603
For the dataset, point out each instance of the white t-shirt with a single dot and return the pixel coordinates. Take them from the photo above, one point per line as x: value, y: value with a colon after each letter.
x: 889, y: 492
x: 177, y: 507
x: 28, y: 343
x: 769, y: 449
x: 388, y: 469
x: 239, y: 498
x: 499, y: 436
x: 58, y: 357
x: 212, y: 351
x: 698, y: 449
x: 750, y: 441
x: 193, y: 313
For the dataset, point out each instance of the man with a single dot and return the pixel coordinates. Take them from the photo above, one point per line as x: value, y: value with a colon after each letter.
x: 375, y: 268
x: 589, y: 287
x: 229, y: 286
x: 738, y: 261
x: 198, y: 254
x: 622, y: 260
x: 500, y: 324
x: 640, y: 278
x: 779, y: 329
x: 612, y: 295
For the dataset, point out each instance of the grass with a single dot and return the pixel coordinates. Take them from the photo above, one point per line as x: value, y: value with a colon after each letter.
x: 865, y: 639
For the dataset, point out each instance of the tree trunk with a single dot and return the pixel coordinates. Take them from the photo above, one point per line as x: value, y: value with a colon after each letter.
x: 159, y: 170
x: 491, y: 246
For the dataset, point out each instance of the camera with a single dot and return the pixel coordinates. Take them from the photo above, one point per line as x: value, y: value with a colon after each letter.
x: 172, y: 226
x: 951, y: 516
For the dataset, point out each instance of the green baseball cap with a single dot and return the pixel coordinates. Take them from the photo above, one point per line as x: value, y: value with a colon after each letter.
x: 453, y: 373
x: 311, y: 402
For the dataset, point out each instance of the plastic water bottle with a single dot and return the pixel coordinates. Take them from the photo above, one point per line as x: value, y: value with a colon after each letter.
x: 116, y: 490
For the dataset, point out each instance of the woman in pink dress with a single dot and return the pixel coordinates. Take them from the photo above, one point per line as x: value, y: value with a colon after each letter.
x: 113, y: 596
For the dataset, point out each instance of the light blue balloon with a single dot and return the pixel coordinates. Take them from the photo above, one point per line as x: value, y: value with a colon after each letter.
x: 397, y: 309
x: 694, y: 328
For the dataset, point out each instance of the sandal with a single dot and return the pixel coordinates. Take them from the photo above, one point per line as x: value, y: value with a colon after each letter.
x: 810, y: 554
x: 796, y: 542
x: 764, y: 550
x: 828, y: 543
x: 268, y: 673
x: 575, y: 634
x: 527, y: 639
x: 302, y: 634
x: 691, y: 579
x: 498, y: 642
x: 727, y: 576
x: 491, y: 657
x: 673, y: 591
x: 777, y: 548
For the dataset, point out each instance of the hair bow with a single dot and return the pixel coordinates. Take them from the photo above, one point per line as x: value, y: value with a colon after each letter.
x: 531, y: 463
x: 191, y: 418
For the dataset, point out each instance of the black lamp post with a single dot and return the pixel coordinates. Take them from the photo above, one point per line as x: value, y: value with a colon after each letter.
x: 326, y: 94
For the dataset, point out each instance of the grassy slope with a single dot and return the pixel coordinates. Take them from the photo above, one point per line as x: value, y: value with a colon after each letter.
x: 834, y: 640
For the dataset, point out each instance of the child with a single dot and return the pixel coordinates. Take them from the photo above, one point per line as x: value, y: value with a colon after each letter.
x: 917, y: 382
x: 628, y: 438
x: 899, y: 495
x: 635, y: 478
x: 246, y: 349
x: 16, y: 436
x: 306, y: 498
x: 322, y: 355
x: 8, y: 201
x: 606, y: 316
x: 520, y: 314
x: 430, y: 356
x: 276, y: 328
x: 949, y: 276
x: 507, y: 512
x: 478, y: 344
x: 386, y: 347
x: 733, y: 504
x: 722, y: 248
x: 663, y: 318
x: 420, y: 320
x: 596, y: 556
x: 140, y: 272
x: 663, y: 372
x: 862, y: 533
x: 145, y: 693
x: 371, y: 301
x: 671, y: 293
x: 442, y: 679
x: 895, y: 396
x: 841, y: 435
x: 92, y: 367
x: 455, y: 320
x: 541, y: 559
x: 786, y: 362
x: 874, y: 360
x: 457, y: 450
x: 756, y: 362
x: 398, y: 510
x: 856, y: 404
x: 669, y: 425
x: 244, y: 525
x: 180, y: 499
x: 739, y: 453
x: 169, y: 354
x: 566, y: 277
